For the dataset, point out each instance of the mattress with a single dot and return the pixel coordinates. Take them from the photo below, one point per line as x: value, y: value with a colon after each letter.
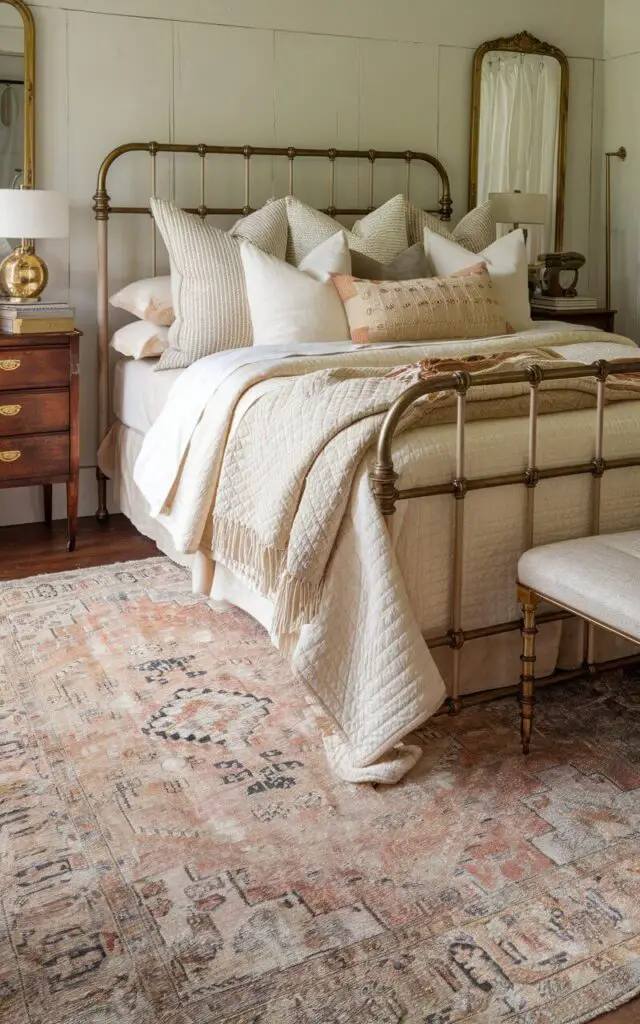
x: 139, y: 393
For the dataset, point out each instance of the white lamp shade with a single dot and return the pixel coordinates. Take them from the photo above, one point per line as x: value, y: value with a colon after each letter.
x: 33, y: 213
x: 519, y: 207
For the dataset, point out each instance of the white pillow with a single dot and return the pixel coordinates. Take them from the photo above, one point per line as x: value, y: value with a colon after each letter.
x: 291, y: 306
x: 141, y: 340
x: 507, y: 263
x: 382, y: 234
x: 149, y: 299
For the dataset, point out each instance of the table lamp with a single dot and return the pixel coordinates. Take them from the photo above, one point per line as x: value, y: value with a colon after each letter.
x: 519, y: 208
x: 29, y: 213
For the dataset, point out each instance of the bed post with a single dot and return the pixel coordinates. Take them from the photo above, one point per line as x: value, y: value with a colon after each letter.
x: 101, y: 210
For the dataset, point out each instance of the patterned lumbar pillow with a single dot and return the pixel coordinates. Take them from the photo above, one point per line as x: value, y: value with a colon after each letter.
x: 474, y: 232
x: 427, y: 309
x: 382, y: 234
x: 207, y: 278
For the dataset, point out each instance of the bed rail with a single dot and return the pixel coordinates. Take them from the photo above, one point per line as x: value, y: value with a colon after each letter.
x: 384, y: 477
x: 293, y: 155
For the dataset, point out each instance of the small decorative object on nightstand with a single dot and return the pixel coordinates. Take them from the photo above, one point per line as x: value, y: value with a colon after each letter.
x: 39, y: 428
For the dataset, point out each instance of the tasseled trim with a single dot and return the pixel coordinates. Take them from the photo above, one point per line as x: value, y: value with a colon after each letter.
x: 297, y: 603
x: 238, y: 546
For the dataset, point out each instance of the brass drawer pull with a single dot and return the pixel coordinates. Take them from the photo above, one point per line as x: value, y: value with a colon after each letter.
x: 10, y: 456
x: 10, y: 364
x: 10, y: 410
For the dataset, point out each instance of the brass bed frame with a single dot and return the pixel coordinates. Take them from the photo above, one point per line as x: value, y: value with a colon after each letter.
x: 383, y: 475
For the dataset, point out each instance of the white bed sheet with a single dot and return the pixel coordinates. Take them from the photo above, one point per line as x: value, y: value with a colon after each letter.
x: 139, y: 393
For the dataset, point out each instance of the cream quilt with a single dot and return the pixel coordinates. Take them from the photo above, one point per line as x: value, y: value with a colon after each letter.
x: 291, y: 526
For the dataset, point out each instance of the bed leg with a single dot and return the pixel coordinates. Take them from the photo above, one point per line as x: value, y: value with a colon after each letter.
x: 529, y: 601
x: 102, y: 512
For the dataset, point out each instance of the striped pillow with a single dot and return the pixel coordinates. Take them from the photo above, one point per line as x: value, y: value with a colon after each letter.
x: 474, y: 232
x: 207, y: 279
x: 426, y: 309
x: 382, y: 234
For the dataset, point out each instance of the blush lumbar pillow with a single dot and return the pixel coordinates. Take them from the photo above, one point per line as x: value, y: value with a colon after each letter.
x: 507, y: 263
x: 141, y: 340
x: 474, y: 232
x: 427, y: 309
x: 292, y: 305
x: 207, y: 279
x: 382, y: 234
x: 148, y: 299
x: 409, y: 264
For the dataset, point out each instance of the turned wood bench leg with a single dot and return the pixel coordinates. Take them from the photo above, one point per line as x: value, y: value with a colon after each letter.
x: 529, y: 601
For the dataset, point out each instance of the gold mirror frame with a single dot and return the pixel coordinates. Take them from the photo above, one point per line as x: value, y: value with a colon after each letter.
x: 523, y: 42
x: 29, y: 133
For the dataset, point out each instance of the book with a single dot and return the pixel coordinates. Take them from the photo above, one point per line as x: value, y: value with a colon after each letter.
x: 35, y: 310
x: 43, y: 325
x: 564, y: 304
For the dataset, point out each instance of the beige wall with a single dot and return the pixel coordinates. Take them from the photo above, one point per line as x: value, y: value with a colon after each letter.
x: 316, y: 72
x: 622, y: 128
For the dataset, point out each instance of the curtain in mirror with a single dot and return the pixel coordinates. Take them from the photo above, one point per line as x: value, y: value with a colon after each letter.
x: 519, y: 133
x: 11, y: 132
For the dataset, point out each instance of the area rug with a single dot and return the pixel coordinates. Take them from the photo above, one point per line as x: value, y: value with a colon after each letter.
x: 174, y: 849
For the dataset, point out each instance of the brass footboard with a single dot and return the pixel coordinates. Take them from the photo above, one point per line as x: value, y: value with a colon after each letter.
x: 384, y: 479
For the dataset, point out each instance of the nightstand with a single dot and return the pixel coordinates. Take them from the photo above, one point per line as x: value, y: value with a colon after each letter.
x: 604, y: 319
x: 39, y: 429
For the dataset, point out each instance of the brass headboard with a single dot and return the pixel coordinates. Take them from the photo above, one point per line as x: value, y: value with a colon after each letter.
x: 104, y: 210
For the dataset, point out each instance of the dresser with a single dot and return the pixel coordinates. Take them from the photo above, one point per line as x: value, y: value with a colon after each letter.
x: 604, y: 319
x: 39, y: 429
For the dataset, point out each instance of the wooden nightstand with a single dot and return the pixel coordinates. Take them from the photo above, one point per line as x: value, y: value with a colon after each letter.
x: 604, y: 319
x: 39, y: 429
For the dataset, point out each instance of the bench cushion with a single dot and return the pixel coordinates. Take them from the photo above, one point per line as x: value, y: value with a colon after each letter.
x: 598, y: 577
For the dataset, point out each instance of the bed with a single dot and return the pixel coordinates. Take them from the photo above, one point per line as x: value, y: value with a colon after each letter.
x: 457, y: 590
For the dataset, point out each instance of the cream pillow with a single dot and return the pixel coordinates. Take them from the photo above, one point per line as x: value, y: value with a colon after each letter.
x: 141, y: 340
x: 463, y: 305
x: 294, y: 306
x: 382, y: 234
x: 507, y: 262
x: 474, y: 232
x: 149, y: 299
x: 207, y: 279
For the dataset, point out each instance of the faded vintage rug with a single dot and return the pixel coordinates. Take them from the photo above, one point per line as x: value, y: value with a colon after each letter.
x: 174, y: 849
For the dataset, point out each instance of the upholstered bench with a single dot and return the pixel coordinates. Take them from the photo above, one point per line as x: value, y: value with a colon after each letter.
x: 596, y: 578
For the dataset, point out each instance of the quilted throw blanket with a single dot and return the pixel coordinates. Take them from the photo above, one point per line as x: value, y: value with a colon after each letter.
x: 280, y: 517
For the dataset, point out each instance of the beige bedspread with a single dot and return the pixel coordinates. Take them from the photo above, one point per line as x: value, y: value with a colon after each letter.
x: 360, y: 649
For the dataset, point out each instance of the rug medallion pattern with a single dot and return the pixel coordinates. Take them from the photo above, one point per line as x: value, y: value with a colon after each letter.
x: 174, y: 849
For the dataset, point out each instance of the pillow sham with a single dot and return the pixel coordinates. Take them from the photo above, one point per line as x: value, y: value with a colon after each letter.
x: 427, y: 309
x: 148, y: 299
x: 141, y: 340
x: 508, y: 266
x: 207, y: 279
x: 382, y: 234
x: 475, y: 231
x: 292, y: 305
x: 409, y: 264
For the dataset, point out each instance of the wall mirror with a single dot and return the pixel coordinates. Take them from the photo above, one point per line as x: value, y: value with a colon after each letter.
x: 519, y: 130
x: 17, y: 119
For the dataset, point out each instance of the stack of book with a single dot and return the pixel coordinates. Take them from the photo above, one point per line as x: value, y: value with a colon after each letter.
x: 36, y: 318
x: 564, y: 303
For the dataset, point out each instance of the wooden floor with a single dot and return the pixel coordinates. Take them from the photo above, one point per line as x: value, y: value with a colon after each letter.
x: 35, y: 548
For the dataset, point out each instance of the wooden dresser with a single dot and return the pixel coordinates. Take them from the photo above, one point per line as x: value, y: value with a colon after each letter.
x: 39, y: 430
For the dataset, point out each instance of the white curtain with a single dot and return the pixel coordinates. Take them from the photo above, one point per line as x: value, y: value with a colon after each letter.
x: 518, y: 144
x: 11, y: 132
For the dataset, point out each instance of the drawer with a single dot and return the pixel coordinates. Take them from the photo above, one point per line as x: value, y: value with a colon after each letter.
x: 42, y: 456
x: 33, y: 412
x: 33, y: 367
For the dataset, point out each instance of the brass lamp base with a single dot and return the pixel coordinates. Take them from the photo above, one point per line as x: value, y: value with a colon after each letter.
x: 23, y: 275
